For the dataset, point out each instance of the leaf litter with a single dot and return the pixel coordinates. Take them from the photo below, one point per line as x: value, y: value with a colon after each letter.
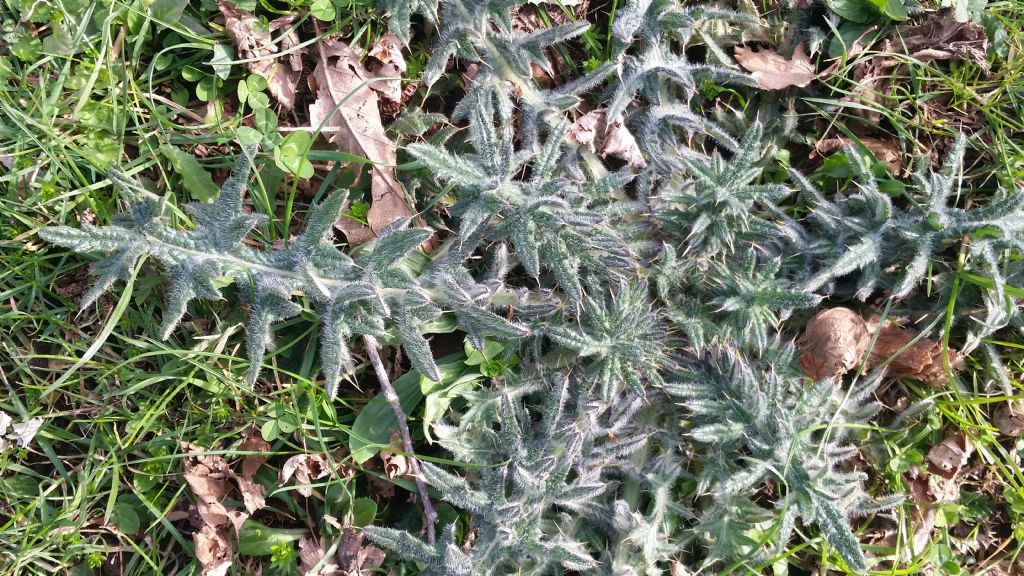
x: 346, y: 108
x: 21, y: 433
x: 353, y: 557
x: 594, y: 132
x: 211, y: 479
x: 836, y: 340
x: 253, y: 41
x: 773, y: 71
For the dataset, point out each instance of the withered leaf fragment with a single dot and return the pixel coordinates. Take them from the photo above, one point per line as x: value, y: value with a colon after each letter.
x: 306, y: 468
x: 253, y: 493
x: 388, y: 62
x: 395, y: 465
x: 836, y: 339
x: 252, y: 40
x: 833, y: 342
x: 949, y: 456
x: 354, y: 559
x: 1009, y: 418
x: 604, y: 138
x: 886, y: 150
x: 207, y: 475
x: 773, y: 71
x: 346, y: 108
x: 921, y: 361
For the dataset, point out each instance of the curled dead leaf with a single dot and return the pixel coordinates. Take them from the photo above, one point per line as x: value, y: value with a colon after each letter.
x: 305, y: 468
x: 253, y: 40
x: 253, y: 493
x: 355, y: 558
x: 396, y: 465
x: 941, y: 37
x: 922, y: 360
x: 836, y: 339
x: 948, y: 457
x: 1009, y: 418
x: 937, y: 37
x: 213, y: 551
x: 773, y: 71
x: 833, y: 342
x: 594, y: 132
x: 310, y: 554
x: 387, y: 61
x: 207, y: 475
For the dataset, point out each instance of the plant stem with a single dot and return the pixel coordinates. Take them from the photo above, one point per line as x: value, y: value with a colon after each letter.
x: 403, y: 426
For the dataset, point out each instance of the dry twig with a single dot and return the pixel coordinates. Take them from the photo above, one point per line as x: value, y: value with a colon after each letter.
x: 403, y: 427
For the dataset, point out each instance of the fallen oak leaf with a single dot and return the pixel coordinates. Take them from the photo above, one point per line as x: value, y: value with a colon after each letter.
x: 253, y: 442
x: 941, y: 37
x: 396, y: 465
x: 25, y: 431
x: 772, y: 71
x: 392, y: 65
x: 834, y: 342
x: 922, y: 360
x: 254, y: 495
x: 207, y: 475
x: 254, y: 41
x: 1009, y: 418
x: 213, y: 551
x: 310, y: 555
x: 355, y: 558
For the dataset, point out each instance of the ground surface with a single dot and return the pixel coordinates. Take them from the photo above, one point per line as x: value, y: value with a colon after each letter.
x: 96, y: 475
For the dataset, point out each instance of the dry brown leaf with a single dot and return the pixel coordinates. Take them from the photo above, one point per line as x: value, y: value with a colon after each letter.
x: 310, y: 554
x: 938, y: 37
x: 213, y: 551
x: 772, y: 71
x: 207, y: 475
x: 941, y: 37
x: 306, y: 468
x: 252, y: 40
x: 886, y: 150
x: 922, y: 361
x: 396, y: 465
x: 594, y: 132
x: 380, y: 489
x: 356, y: 128
x: 835, y: 340
x: 388, y: 62
x: 253, y: 493
x: 354, y: 557
x: 922, y: 514
x: 948, y: 457
x: 1009, y: 418
x: 253, y: 442
x: 833, y: 343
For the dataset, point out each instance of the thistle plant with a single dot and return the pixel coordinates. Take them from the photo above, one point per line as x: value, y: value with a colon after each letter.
x: 650, y: 305
x: 362, y: 296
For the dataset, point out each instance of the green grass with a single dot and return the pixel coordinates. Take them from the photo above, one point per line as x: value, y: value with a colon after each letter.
x: 117, y: 403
